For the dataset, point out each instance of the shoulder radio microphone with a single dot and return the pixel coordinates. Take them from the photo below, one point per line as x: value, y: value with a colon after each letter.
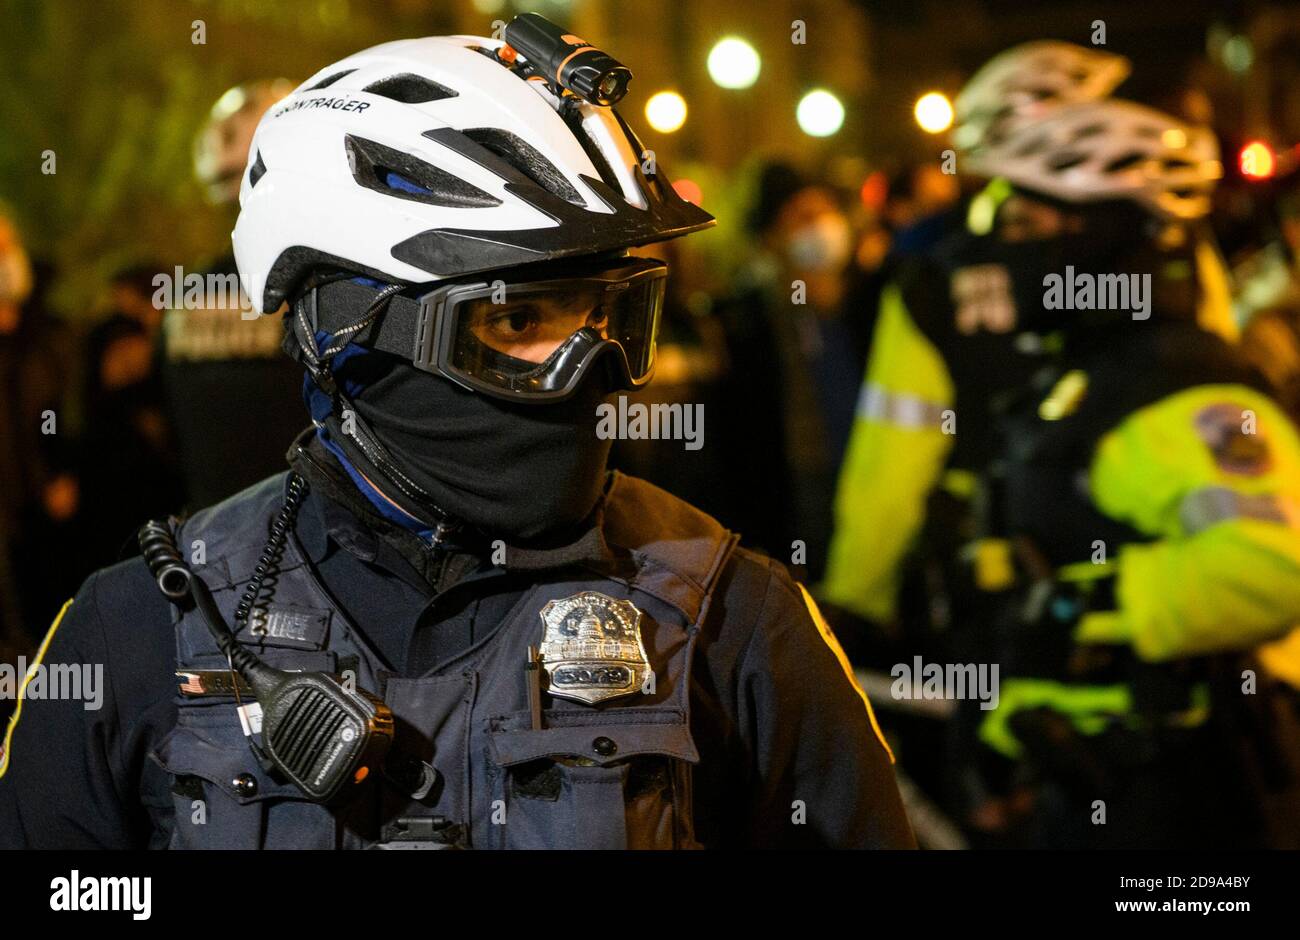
x: 323, y: 736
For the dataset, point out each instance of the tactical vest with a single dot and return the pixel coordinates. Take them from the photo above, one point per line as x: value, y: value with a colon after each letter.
x: 615, y: 774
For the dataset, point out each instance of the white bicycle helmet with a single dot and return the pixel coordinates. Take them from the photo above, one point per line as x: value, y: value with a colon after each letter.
x: 426, y: 159
x: 1105, y: 150
x: 1027, y: 81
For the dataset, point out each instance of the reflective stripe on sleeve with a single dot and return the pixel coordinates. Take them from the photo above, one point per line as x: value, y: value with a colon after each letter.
x: 877, y: 403
x: 825, y: 630
x: 27, y: 678
x: 1211, y: 505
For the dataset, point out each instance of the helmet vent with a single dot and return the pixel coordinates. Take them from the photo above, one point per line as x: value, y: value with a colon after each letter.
x: 256, y: 171
x: 1066, y: 161
x: 1124, y: 162
x: 410, y: 89
x: 526, y: 159
x: 404, y: 176
x: 330, y: 80
x: 1034, y: 145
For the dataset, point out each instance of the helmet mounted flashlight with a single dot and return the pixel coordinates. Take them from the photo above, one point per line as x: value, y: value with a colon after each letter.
x: 566, y: 62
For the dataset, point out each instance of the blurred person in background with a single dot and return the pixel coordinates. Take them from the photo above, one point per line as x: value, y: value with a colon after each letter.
x: 690, y: 370
x: 222, y: 367
x: 128, y: 463
x: 35, y: 487
x: 789, y: 323
x: 922, y: 363
x: 1146, y: 491
x: 131, y: 296
x: 901, y: 571
x: 1147, y: 488
x: 121, y: 461
x: 909, y: 571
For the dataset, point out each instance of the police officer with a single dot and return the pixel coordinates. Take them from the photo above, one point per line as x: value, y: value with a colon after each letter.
x: 941, y: 324
x: 902, y: 577
x: 1147, y: 482
x: 909, y: 571
x: 451, y: 237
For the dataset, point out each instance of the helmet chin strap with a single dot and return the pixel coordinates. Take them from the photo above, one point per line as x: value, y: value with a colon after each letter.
x: 354, y: 426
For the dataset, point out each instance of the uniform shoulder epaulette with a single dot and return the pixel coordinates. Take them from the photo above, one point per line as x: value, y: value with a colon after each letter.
x: 658, y: 527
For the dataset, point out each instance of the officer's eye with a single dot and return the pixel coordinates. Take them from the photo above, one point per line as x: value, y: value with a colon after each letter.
x: 511, y: 324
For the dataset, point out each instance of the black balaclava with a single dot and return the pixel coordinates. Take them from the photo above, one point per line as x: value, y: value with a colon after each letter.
x: 1117, y: 238
x: 518, y: 472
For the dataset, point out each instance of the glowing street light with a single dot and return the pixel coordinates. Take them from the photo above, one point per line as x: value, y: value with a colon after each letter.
x: 933, y: 112
x: 820, y: 113
x: 666, y: 111
x: 734, y: 63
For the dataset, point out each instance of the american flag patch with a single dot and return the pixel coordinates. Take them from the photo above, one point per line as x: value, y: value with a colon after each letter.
x: 200, y: 682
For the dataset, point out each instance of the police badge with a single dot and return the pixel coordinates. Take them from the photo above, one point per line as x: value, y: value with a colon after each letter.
x: 591, y: 648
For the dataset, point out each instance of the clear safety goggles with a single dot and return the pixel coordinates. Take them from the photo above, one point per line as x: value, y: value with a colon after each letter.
x: 534, y: 340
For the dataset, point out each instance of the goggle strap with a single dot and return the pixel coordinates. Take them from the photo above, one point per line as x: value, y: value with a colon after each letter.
x: 344, y: 334
x: 346, y: 309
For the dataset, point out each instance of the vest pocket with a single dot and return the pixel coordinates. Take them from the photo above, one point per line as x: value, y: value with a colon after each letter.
x: 222, y: 797
x: 613, y: 785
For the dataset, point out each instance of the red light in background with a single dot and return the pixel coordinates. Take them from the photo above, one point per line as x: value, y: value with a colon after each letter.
x: 1257, y: 161
x: 689, y: 190
x: 874, y: 192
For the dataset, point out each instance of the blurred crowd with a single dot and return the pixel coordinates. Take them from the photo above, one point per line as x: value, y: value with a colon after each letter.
x: 138, y: 413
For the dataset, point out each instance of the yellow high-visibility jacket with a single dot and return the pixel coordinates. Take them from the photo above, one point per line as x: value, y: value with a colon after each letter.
x: 902, y: 440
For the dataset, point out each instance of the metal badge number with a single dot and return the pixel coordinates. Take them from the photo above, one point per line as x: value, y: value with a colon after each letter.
x: 591, y: 648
